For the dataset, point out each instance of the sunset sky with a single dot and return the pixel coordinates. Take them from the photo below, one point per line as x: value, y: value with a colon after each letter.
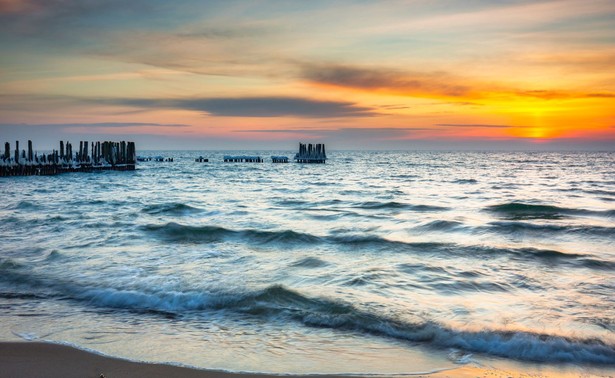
x: 267, y: 74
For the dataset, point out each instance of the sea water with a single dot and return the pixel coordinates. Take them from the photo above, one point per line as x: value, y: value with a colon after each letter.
x: 376, y: 262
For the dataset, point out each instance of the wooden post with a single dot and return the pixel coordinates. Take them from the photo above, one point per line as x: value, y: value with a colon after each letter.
x: 62, y: 150
x: 123, y: 153
x: 30, y: 152
x: 17, y: 151
x: 7, y: 151
x: 133, y: 153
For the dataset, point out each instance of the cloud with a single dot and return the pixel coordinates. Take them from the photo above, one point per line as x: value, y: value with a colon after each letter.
x: 429, y: 84
x: 601, y: 95
x: 475, y: 125
x: 205, y: 38
x: 23, y: 102
x: 254, y: 106
x: 581, y: 59
x: 435, y: 83
x: 545, y: 94
x: 247, y: 30
x: 98, y: 124
x: 16, y: 6
x: 266, y: 106
x: 52, y: 131
x: 302, y: 131
x: 562, y: 95
x: 339, y: 134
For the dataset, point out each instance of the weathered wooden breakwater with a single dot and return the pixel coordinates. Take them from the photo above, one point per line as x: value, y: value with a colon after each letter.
x: 311, y: 154
x: 242, y: 159
x: 118, y: 156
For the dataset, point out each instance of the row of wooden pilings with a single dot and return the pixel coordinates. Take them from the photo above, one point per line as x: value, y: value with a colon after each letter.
x: 118, y: 156
x: 310, y: 153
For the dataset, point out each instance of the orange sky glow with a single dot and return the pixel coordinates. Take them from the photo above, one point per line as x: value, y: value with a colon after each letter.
x: 398, y: 74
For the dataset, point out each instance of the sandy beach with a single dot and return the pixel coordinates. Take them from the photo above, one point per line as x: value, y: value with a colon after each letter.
x: 45, y: 360
x: 32, y: 360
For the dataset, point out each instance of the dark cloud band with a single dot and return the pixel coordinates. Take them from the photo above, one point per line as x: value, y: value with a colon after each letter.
x: 254, y: 106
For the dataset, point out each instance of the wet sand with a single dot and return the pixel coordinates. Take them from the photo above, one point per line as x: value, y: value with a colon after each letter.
x: 35, y: 359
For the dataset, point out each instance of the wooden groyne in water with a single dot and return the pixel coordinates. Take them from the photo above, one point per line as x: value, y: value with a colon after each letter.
x: 117, y: 156
x: 311, y: 154
x: 242, y: 159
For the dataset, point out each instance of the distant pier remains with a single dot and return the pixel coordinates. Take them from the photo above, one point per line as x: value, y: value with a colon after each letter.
x: 311, y: 154
x: 117, y: 156
x: 243, y: 159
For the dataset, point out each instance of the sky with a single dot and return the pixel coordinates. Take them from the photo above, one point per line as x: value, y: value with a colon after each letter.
x: 415, y: 74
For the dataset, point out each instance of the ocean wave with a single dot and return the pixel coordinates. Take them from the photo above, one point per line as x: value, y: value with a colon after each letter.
x: 337, y: 215
x: 309, y: 262
x: 516, y: 227
x: 211, y: 234
x: 175, y: 232
x: 178, y: 233
x: 278, y: 302
x: 465, y: 181
x: 170, y: 209
x: 610, y: 193
x: 54, y: 255
x: 440, y: 225
x: 543, y: 256
x: 393, y: 205
x: 25, y: 205
x: 291, y: 202
x: 18, y: 295
x: 9, y: 264
x: 522, y: 211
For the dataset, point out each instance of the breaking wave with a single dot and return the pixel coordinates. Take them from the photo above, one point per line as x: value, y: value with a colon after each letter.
x: 277, y: 302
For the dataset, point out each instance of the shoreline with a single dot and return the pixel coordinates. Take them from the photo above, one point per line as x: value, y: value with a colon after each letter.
x: 33, y: 359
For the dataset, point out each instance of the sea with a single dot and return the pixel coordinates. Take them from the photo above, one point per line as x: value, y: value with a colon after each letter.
x: 375, y: 263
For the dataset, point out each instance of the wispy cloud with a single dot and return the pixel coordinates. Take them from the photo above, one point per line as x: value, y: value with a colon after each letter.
x: 429, y: 84
x: 374, y: 132
x: 254, y: 106
x: 301, y: 131
x: 106, y: 124
x: 601, y: 95
x: 266, y: 106
x: 476, y: 125
x: 438, y: 83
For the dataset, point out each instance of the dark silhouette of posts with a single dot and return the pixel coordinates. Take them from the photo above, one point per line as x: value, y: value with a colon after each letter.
x: 313, y: 154
x: 120, y: 156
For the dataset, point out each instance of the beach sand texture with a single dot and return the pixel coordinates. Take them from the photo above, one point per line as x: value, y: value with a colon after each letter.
x: 45, y: 360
